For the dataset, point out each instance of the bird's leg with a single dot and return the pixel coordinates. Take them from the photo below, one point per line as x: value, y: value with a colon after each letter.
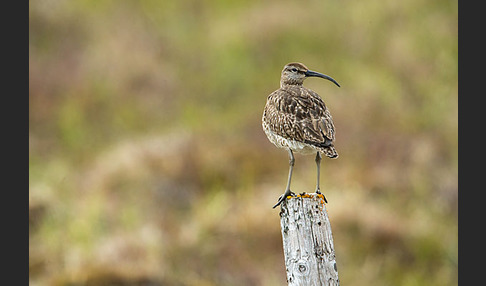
x: 318, y: 163
x: 287, y: 192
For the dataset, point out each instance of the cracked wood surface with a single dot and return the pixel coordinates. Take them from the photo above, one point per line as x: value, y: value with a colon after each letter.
x: 307, y: 241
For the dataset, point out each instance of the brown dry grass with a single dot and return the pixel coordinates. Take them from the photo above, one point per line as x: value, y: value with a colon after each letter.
x: 148, y: 165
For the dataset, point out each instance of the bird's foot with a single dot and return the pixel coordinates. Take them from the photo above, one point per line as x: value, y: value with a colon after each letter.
x: 283, y: 197
x: 318, y: 191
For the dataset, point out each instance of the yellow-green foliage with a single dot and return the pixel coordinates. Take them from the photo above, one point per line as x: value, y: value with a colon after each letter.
x: 148, y: 163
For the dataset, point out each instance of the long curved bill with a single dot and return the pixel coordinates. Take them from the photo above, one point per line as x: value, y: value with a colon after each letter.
x: 310, y: 73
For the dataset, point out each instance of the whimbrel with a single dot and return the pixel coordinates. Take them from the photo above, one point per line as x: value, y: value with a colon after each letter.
x: 297, y: 119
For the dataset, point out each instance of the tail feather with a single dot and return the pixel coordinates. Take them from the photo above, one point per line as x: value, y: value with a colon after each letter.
x: 330, y: 152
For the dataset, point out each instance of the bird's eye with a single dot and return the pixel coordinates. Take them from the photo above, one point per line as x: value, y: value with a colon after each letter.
x: 294, y: 70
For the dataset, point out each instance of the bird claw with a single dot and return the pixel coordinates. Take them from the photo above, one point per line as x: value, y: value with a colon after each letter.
x: 283, y: 196
x: 318, y: 191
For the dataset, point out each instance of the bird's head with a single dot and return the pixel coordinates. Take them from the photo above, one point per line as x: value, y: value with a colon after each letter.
x: 296, y: 73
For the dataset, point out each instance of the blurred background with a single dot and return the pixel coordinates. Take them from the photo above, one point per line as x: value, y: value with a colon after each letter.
x: 147, y: 160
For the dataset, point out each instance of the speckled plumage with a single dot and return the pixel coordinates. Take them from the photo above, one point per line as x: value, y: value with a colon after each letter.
x: 297, y: 119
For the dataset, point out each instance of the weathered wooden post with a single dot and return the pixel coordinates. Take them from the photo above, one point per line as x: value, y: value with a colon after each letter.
x: 307, y: 241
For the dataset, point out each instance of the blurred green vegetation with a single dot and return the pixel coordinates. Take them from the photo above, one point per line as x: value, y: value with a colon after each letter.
x: 148, y: 164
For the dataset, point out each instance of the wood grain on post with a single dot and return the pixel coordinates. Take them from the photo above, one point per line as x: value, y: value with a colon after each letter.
x: 307, y: 241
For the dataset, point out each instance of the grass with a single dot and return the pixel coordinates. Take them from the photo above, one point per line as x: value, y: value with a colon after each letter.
x: 148, y: 164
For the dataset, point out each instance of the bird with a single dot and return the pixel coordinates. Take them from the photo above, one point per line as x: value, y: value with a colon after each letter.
x: 297, y: 119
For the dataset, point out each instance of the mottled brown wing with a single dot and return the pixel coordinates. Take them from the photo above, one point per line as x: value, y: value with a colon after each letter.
x: 316, y: 120
x: 300, y: 114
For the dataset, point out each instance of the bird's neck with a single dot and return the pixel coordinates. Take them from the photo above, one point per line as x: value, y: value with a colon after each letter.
x: 289, y: 84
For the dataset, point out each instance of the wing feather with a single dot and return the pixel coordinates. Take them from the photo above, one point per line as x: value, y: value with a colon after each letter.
x: 300, y: 114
